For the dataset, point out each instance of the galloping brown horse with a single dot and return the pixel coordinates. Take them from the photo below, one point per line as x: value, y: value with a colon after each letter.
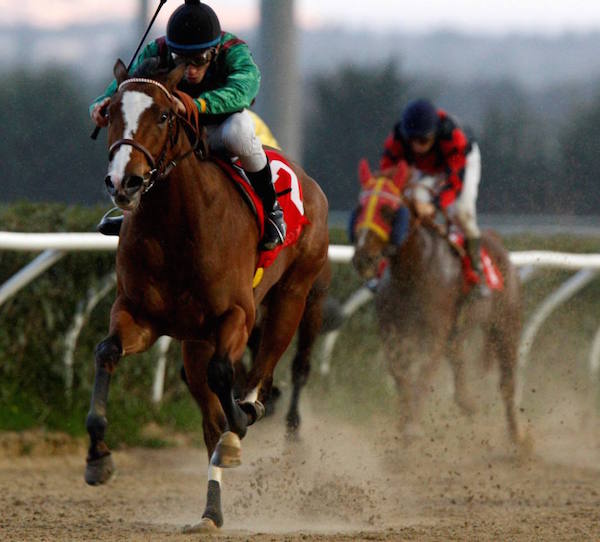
x: 423, y: 310
x: 186, y: 260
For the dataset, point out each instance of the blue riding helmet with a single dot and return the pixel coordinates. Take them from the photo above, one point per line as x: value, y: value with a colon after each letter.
x: 419, y: 119
x: 192, y: 28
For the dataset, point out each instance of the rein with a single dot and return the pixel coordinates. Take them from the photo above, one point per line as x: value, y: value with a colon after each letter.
x: 159, y: 170
x: 403, y: 198
x: 429, y: 222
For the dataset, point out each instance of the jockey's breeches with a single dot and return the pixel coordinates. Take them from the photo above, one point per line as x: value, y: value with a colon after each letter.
x: 237, y: 136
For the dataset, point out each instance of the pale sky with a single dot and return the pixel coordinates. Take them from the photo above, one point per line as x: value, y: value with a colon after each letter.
x: 484, y: 16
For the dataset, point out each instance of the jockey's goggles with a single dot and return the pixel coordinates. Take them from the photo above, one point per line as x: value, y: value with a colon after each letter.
x: 197, y: 59
x: 423, y: 139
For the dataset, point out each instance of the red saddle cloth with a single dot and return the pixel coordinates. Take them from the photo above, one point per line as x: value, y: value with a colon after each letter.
x: 493, y: 277
x: 289, y: 195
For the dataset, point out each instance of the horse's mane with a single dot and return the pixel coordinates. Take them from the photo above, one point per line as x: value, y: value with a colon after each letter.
x: 152, y: 68
x: 158, y: 69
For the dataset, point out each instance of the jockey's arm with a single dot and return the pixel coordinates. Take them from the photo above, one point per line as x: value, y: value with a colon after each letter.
x: 240, y: 88
x: 424, y: 208
x: 98, y: 106
x: 393, y: 151
x: 455, y: 156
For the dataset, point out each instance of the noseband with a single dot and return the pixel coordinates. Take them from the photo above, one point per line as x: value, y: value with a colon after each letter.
x: 158, y: 169
x: 369, y: 218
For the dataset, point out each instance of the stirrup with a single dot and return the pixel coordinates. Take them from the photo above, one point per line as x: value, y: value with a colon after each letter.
x: 275, y: 229
x: 483, y: 290
x: 480, y: 290
x: 110, y: 225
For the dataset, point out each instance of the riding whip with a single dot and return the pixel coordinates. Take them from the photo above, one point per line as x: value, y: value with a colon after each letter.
x: 162, y: 2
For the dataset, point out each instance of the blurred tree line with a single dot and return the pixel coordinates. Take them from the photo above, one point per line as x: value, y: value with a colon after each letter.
x: 532, y: 162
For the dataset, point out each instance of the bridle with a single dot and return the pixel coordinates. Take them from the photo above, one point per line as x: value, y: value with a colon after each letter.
x: 380, y: 189
x: 159, y: 168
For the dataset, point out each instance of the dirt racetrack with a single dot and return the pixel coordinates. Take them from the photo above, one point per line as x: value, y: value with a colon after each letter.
x: 338, y: 482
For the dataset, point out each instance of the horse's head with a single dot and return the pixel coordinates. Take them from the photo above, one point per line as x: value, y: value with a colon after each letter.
x: 142, y: 132
x: 379, y: 199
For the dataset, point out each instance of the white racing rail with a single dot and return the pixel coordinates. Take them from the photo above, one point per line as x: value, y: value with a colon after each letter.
x: 57, y: 245
x: 587, y: 265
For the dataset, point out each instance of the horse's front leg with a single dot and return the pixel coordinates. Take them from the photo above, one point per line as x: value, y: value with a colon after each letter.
x: 232, y: 337
x: 196, y: 356
x: 126, y: 336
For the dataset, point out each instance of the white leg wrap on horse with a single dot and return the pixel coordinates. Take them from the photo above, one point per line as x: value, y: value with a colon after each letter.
x: 252, y: 397
x: 215, y: 473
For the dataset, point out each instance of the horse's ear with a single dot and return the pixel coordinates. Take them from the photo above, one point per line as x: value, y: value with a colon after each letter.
x: 175, y: 75
x: 364, y: 171
x: 401, y: 174
x: 120, y: 71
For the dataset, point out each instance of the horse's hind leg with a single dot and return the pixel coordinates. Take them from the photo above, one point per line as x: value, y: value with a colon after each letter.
x: 308, y: 331
x: 506, y: 351
x: 455, y: 355
x: 196, y: 356
x: 284, y: 312
x: 126, y: 336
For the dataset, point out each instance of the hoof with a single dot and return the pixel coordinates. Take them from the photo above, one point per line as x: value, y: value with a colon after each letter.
x: 292, y: 422
x: 467, y: 406
x: 206, y: 525
x: 413, y: 432
x: 255, y: 411
x: 523, y: 445
x: 228, y: 452
x: 99, y: 471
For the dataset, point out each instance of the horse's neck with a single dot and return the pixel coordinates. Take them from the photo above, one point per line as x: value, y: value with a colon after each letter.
x: 198, y: 205
x: 424, y: 251
x: 189, y: 184
x: 174, y: 198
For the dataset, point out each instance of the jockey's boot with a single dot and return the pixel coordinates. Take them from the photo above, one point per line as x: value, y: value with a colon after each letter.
x: 110, y: 225
x: 473, y: 247
x: 275, y: 227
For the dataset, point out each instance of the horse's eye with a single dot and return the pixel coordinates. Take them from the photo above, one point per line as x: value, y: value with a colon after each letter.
x: 163, y: 118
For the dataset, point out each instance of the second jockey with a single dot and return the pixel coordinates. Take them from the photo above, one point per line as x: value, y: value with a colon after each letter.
x: 448, y: 170
x: 223, y: 79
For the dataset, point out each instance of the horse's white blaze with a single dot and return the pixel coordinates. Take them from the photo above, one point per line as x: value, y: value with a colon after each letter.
x: 133, y: 104
x: 215, y: 473
x: 252, y: 397
x: 362, y: 239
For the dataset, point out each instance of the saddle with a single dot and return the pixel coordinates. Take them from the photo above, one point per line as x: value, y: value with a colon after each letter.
x: 287, y: 186
x: 455, y: 237
x: 287, y: 190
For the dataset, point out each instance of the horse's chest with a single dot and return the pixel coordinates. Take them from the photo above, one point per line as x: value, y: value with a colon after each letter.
x: 157, y: 280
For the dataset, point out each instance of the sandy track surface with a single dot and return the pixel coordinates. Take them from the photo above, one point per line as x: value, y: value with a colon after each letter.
x: 461, y: 481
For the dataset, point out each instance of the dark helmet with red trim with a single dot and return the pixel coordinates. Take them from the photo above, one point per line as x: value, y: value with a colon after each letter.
x: 419, y: 119
x: 192, y: 27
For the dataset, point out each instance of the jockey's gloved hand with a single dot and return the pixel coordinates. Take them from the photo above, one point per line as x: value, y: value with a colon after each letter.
x: 425, y: 208
x: 99, y: 113
x: 179, y: 105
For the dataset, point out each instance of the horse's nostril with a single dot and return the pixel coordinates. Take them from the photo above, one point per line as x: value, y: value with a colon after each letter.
x: 359, y: 263
x: 121, y: 199
x: 109, y: 185
x: 133, y: 183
